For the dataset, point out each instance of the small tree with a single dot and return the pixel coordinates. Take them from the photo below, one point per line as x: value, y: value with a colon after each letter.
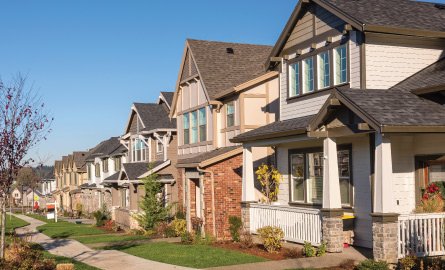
x: 270, y: 179
x: 153, y: 206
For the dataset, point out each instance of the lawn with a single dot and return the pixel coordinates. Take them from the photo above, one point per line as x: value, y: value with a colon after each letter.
x: 13, y: 222
x: 41, y: 218
x: 64, y: 229
x: 59, y: 259
x: 196, y: 256
x: 108, y: 238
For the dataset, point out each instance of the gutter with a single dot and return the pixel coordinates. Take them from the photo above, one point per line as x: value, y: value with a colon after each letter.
x: 212, y: 179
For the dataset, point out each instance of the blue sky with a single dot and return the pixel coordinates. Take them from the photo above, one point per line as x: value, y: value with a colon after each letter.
x: 91, y: 59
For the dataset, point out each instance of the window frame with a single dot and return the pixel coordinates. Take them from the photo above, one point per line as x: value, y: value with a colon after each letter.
x: 202, y: 126
x: 194, y: 127
x: 297, y: 79
x: 328, y: 73
x: 159, y: 146
x: 105, y: 165
x: 97, y: 169
x: 117, y: 161
x: 334, y: 66
x: 232, y: 115
x: 306, y: 151
x: 304, y: 66
x: 186, y: 131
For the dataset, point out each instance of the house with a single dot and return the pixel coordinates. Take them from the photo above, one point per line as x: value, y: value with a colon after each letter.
x: 69, y: 173
x: 103, y: 161
x: 16, y: 196
x: 361, y: 128
x: 151, y: 141
x: 222, y: 90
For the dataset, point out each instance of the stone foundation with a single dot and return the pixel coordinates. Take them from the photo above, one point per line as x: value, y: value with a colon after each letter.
x: 384, y: 237
x: 245, y: 215
x: 332, y: 228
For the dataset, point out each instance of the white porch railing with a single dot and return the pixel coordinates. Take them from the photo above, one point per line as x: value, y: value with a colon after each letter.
x: 421, y: 234
x: 298, y: 224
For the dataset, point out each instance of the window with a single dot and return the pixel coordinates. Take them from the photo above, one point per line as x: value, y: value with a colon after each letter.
x: 323, y: 70
x: 117, y: 163
x: 89, y: 171
x: 307, y: 176
x: 230, y: 114
x: 308, y: 75
x: 294, y: 80
x: 97, y: 168
x: 186, y: 127
x: 75, y: 179
x: 159, y: 146
x: 139, y: 150
x: 105, y: 165
x: 202, y: 124
x: 340, y: 65
x: 194, y: 126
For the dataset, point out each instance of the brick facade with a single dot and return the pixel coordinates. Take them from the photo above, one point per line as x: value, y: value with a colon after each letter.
x: 227, y: 176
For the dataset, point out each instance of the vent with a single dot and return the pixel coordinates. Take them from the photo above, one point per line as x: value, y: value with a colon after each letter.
x: 229, y: 50
x: 440, y: 6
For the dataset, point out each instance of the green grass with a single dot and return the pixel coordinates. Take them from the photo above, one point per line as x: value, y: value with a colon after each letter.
x: 64, y: 229
x: 77, y: 265
x: 13, y: 222
x: 108, y: 238
x: 196, y: 256
x: 41, y: 218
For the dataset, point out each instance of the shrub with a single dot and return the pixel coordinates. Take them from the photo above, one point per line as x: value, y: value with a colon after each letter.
x: 179, y: 226
x: 196, y: 224
x: 309, y: 250
x: 79, y: 209
x: 20, y: 254
x: 432, y: 200
x: 321, y: 249
x: 246, y: 239
x: 407, y: 263
x: 180, y: 214
x: 235, y: 226
x: 161, y: 228
x: 170, y: 231
x: 271, y: 237
x: 187, y: 238
x: 136, y: 232
x: 372, y: 265
x: 206, y: 240
x: 101, y: 216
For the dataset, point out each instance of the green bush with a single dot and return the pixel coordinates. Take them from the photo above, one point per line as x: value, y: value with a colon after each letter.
x: 321, y: 250
x: 179, y: 226
x: 309, y: 250
x: 271, y: 237
x: 101, y: 216
x: 187, y: 238
x: 235, y: 227
x: 372, y: 265
x: 407, y: 263
x: 136, y: 232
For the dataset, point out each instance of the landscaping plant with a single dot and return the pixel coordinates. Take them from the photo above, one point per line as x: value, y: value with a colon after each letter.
x: 309, y: 250
x: 102, y: 216
x: 270, y: 179
x: 407, y: 263
x: 179, y: 226
x: 432, y: 200
x: 235, y: 227
x: 20, y: 254
x: 372, y: 265
x: 187, y: 238
x: 246, y: 239
x: 271, y: 237
x: 321, y: 250
x: 153, y: 209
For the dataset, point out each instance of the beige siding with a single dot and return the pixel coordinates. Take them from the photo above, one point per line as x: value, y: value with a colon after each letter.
x: 255, y: 111
x: 354, y: 60
x: 303, y: 31
x: 387, y: 65
x: 325, y: 21
x: 185, y: 90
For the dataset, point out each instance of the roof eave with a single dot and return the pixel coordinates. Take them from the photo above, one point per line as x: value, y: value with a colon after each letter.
x: 269, y: 136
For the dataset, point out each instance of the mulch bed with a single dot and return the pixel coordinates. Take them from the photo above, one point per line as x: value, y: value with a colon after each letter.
x: 258, y: 250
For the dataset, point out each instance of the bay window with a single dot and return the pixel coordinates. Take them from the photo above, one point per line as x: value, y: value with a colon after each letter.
x: 194, y: 126
x: 306, y: 175
x: 202, y: 124
x: 308, y: 75
x: 323, y: 70
x: 186, y: 127
x: 294, y: 80
x: 340, y: 65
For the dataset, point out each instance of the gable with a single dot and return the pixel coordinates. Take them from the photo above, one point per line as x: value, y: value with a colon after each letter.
x: 312, y: 21
x: 189, y: 69
x: 133, y: 128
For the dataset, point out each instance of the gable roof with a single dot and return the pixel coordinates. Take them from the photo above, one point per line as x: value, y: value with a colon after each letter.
x: 79, y: 159
x: 136, y: 169
x: 429, y: 78
x: 220, y: 70
x: 205, y: 159
x: 104, y: 148
x: 404, y: 17
x: 153, y: 116
x: 168, y: 97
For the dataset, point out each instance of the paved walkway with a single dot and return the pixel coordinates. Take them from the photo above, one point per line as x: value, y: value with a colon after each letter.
x: 103, y: 259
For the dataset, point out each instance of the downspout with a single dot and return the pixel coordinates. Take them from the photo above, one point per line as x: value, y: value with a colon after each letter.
x: 212, y: 179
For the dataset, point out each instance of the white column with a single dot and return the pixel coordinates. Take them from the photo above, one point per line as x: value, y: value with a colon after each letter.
x: 248, y: 193
x: 383, y: 195
x: 331, y: 181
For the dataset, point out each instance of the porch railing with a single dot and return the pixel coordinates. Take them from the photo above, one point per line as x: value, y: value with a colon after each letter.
x: 421, y: 234
x: 298, y: 224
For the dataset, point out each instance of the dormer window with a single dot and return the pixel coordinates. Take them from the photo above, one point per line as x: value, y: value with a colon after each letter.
x: 340, y: 65
x: 323, y: 70
x: 308, y: 75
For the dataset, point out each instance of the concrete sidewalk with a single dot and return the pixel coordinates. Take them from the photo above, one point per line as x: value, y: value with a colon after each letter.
x: 103, y: 259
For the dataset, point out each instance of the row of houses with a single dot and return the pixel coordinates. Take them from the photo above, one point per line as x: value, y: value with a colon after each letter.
x: 348, y: 105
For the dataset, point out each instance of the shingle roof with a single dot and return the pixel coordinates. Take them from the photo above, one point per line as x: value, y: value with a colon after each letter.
x: 136, y: 169
x: 393, y: 13
x: 168, y: 97
x: 104, y: 148
x: 396, y: 108
x: 154, y: 116
x: 207, y: 155
x: 79, y: 158
x: 119, y: 151
x: 431, y: 76
x: 221, y: 70
x: 276, y: 129
x: 113, y: 177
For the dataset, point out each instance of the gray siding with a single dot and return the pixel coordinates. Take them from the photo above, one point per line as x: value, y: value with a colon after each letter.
x: 354, y: 60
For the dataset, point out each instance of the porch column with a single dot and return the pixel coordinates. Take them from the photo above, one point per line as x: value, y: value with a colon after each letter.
x: 248, y: 191
x: 384, y: 218
x: 332, y: 223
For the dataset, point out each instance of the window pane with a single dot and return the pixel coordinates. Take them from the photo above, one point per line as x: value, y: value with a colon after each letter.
x: 344, y: 172
x: 230, y: 114
x: 297, y: 171
x: 186, y: 120
x: 186, y: 127
x: 202, y: 125
x: 315, y: 177
x: 294, y: 80
x: 308, y: 75
x: 323, y: 70
x: 340, y: 67
x: 194, y: 126
x: 436, y: 172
